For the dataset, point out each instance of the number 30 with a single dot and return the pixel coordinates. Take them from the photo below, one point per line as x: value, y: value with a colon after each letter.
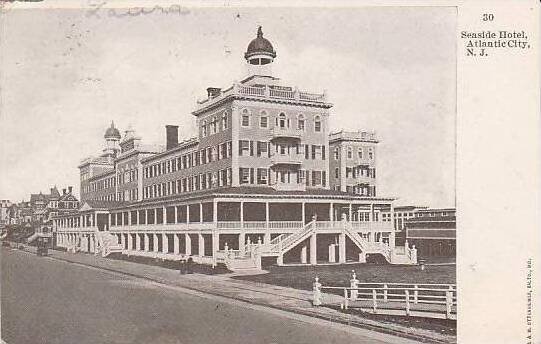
x: 488, y: 17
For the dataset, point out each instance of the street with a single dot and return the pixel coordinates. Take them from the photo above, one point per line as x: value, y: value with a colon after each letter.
x: 50, y: 301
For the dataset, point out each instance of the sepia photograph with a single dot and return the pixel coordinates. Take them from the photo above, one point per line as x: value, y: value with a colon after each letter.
x: 202, y: 174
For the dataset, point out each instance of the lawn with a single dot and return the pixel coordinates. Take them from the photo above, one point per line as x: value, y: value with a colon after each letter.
x: 302, y: 277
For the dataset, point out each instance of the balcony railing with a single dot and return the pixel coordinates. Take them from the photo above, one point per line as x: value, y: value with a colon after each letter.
x: 288, y: 186
x: 265, y: 92
x: 286, y: 132
x: 287, y: 159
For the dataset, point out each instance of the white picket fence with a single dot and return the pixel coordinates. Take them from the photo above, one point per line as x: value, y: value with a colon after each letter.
x: 421, y: 300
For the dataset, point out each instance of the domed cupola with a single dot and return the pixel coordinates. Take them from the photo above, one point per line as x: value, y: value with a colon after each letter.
x: 112, y: 137
x: 260, y: 55
x: 112, y: 132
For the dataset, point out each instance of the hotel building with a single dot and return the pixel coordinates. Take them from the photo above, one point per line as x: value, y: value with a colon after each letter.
x: 263, y: 181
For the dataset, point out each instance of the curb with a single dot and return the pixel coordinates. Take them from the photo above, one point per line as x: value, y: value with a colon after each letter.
x: 380, y: 329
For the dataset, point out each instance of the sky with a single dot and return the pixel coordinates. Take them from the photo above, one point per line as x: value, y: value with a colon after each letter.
x: 66, y: 73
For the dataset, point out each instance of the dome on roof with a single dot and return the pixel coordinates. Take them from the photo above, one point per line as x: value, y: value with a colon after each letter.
x: 112, y: 132
x: 260, y: 46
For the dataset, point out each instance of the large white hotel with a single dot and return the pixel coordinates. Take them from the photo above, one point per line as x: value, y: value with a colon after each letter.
x: 262, y: 181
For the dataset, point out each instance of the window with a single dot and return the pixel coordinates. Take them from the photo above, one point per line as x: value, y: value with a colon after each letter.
x: 204, y: 127
x: 360, y: 153
x: 245, y: 118
x: 336, y: 154
x: 336, y: 172
x: 244, y: 147
x: 214, y: 125
x: 370, y: 153
x: 350, y: 153
x: 225, y: 125
x: 316, y: 178
x: 282, y: 120
x: 262, y: 148
x: 300, y: 122
x: 244, y: 174
x: 263, y: 120
x: 317, y: 124
x: 262, y: 174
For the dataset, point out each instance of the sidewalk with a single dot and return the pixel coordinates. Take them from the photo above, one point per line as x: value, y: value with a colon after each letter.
x: 287, y: 299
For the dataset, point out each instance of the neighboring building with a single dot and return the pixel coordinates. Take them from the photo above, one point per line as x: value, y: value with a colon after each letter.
x: 4, y: 211
x: 433, y: 232
x: 257, y: 171
x: 400, y: 215
x: 353, y: 162
x: 116, y: 174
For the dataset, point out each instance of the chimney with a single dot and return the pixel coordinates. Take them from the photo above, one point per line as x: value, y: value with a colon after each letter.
x: 171, y: 134
x: 63, y: 191
x: 214, y: 92
x: 70, y: 188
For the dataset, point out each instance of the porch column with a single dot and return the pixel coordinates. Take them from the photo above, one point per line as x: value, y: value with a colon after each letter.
x: 313, y: 249
x: 331, y: 208
x: 349, y: 218
x: 176, y: 215
x: 303, y: 213
x: 201, y: 248
x: 187, y: 213
x: 188, y: 246
x: 156, y: 216
x: 122, y: 242
x: 165, y: 243
x: 137, y: 242
x: 332, y: 253
x: 242, y: 243
x: 215, y: 234
x: 341, y: 248
x: 200, y: 212
x: 146, y: 216
x: 155, y: 242
x: 147, y: 242
x: 303, y: 254
x: 130, y: 242
x: 164, y: 217
x: 176, y: 243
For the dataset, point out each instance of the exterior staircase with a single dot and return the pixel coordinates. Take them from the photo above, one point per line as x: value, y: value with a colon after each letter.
x: 107, y: 244
x: 250, y: 259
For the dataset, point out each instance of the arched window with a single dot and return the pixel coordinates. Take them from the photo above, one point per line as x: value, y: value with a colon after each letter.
x: 317, y: 124
x: 204, y: 127
x: 370, y: 153
x: 214, y: 125
x: 245, y: 118
x: 224, y: 121
x: 350, y: 153
x: 263, y: 120
x: 360, y: 153
x: 282, y: 120
x: 300, y: 122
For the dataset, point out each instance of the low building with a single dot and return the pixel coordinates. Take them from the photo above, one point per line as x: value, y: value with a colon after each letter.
x: 4, y: 211
x: 433, y: 232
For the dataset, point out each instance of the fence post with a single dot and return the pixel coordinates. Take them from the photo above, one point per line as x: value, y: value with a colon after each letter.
x: 416, y: 294
x: 317, y: 292
x: 374, y: 300
x: 408, y: 302
x: 346, y: 303
x: 385, y: 293
x: 448, y: 302
x: 354, y: 284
